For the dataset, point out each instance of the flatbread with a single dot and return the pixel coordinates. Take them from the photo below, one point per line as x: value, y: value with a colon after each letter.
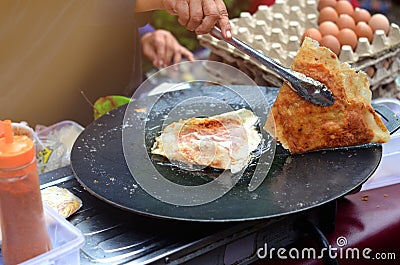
x: 222, y: 141
x: 64, y: 202
x: 301, y: 126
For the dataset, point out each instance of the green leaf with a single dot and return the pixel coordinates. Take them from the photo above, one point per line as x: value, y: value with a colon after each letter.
x: 108, y: 103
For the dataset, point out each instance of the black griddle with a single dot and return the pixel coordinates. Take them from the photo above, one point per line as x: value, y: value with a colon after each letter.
x: 294, y: 183
x: 119, y: 235
x: 115, y: 236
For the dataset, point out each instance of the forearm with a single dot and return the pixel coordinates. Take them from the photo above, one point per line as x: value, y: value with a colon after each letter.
x: 148, y: 5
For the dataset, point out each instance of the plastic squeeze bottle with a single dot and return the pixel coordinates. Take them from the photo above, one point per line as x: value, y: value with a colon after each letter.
x: 23, y: 226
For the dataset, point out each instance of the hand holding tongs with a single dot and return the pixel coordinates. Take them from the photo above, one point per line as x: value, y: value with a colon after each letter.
x: 308, y: 88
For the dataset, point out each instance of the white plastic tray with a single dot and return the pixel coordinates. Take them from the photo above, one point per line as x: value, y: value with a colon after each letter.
x: 388, y: 171
x: 66, y: 239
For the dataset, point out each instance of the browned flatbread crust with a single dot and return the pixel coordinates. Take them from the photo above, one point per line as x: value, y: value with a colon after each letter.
x: 301, y: 126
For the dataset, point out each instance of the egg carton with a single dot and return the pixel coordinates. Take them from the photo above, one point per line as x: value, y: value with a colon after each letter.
x: 276, y: 31
x: 380, y: 59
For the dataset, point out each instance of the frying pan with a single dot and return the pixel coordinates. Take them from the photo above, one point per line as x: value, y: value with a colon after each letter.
x: 294, y: 182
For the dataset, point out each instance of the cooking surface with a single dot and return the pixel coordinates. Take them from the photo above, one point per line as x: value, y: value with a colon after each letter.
x: 115, y: 236
x: 294, y: 183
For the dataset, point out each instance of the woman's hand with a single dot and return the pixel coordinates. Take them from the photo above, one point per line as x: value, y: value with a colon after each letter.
x: 163, y: 49
x: 200, y: 16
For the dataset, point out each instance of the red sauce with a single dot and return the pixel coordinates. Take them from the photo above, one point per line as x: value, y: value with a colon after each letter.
x: 22, y: 218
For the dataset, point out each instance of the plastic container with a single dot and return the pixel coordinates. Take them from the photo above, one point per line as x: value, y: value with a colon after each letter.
x: 23, y: 224
x: 66, y: 241
x: 388, y: 171
x: 57, y: 127
x: 31, y: 232
x: 391, y: 103
x: 59, y: 139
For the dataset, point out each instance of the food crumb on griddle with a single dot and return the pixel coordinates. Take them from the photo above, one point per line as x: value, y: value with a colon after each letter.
x: 385, y: 195
x: 364, y: 198
x: 140, y: 110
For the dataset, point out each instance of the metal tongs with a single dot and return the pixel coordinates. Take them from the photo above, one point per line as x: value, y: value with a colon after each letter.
x: 306, y: 87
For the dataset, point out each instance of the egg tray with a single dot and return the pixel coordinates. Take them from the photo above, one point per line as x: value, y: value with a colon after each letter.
x: 276, y: 31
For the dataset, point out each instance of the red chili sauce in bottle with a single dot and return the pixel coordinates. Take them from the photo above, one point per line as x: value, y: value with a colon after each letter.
x: 24, y: 232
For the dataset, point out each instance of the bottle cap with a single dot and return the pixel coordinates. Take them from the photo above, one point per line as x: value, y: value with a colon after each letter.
x: 15, y: 150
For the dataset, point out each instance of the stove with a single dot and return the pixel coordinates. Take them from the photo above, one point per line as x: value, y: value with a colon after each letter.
x: 116, y: 236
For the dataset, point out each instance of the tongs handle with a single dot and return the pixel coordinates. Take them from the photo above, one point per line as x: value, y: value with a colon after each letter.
x: 271, y: 64
x: 306, y: 87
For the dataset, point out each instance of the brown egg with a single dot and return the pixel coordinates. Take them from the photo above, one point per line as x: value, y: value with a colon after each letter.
x: 386, y: 63
x: 379, y: 21
x: 361, y: 14
x: 325, y: 3
x: 345, y: 21
x: 313, y: 33
x: 364, y: 30
x: 332, y: 43
x: 348, y: 37
x: 327, y: 14
x: 344, y: 7
x: 328, y: 28
x: 370, y: 71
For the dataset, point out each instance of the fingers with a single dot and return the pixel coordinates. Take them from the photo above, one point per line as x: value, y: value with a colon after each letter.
x: 162, y: 49
x: 183, y: 53
x: 174, y: 52
x: 170, y: 48
x: 182, y: 11
x: 211, y: 16
x: 215, y: 13
x: 153, y: 47
x: 223, y: 20
x: 148, y: 48
x: 186, y: 53
x: 177, y: 58
x: 200, y: 15
x: 196, y: 14
x: 169, y: 6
